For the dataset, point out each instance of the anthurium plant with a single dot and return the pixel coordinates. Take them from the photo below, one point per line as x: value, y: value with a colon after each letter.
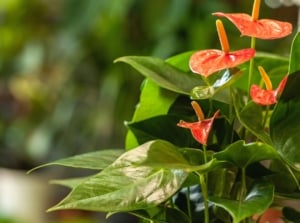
x: 215, y: 137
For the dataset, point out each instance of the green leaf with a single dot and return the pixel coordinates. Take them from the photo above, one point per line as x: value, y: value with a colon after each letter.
x: 256, y: 202
x: 295, y: 55
x: 161, y: 127
x: 251, y: 117
x: 126, y: 186
x: 181, y: 61
x: 71, y: 183
x: 163, y: 154
x: 93, y: 160
x: 242, y: 154
x: 163, y: 74
x: 285, y: 122
x: 148, y: 107
x: 219, y: 83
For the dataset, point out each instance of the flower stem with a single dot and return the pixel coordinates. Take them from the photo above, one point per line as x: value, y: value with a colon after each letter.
x: 189, y: 210
x: 266, y: 116
x: 243, y: 186
x: 251, y: 64
x: 203, y: 184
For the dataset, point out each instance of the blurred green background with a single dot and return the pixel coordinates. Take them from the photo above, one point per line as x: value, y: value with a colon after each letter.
x: 60, y: 92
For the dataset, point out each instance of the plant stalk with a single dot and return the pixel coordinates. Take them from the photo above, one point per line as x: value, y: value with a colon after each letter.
x: 251, y: 65
x: 205, y: 197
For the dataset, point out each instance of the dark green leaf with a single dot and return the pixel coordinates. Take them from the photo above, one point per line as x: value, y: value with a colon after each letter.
x: 251, y: 117
x: 161, y: 127
x: 163, y: 74
x: 242, y: 154
x: 285, y: 122
x: 291, y: 214
x: 256, y: 202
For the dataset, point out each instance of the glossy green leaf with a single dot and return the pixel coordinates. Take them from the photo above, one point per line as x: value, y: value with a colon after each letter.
x: 126, y: 186
x: 285, y: 122
x: 93, y: 160
x: 242, y: 154
x: 163, y: 154
x: 251, y: 117
x: 256, y: 202
x: 71, y: 183
x: 148, y: 107
x: 203, y: 92
x: 295, y: 55
x: 163, y: 74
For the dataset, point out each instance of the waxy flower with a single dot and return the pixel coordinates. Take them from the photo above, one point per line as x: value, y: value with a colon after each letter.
x: 258, y: 28
x: 206, y: 62
x: 266, y: 96
x: 200, y: 129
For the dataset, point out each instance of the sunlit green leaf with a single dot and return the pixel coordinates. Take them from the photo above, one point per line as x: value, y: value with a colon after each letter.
x: 93, y: 160
x: 71, y: 183
x: 126, y: 186
x: 256, y: 202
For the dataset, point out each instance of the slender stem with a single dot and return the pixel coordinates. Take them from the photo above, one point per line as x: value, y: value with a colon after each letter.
x: 205, y: 197
x: 189, y: 204
x: 251, y: 64
x: 204, y: 153
x: 266, y: 116
x: 243, y: 186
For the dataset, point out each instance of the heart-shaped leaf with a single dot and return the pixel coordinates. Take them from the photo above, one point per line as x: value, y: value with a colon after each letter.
x: 295, y: 55
x: 256, y: 202
x: 243, y: 154
x: 163, y: 74
x: 285, y: 122
x: 93, y: 160
x: 126, y: 186
x: 149, y: 108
